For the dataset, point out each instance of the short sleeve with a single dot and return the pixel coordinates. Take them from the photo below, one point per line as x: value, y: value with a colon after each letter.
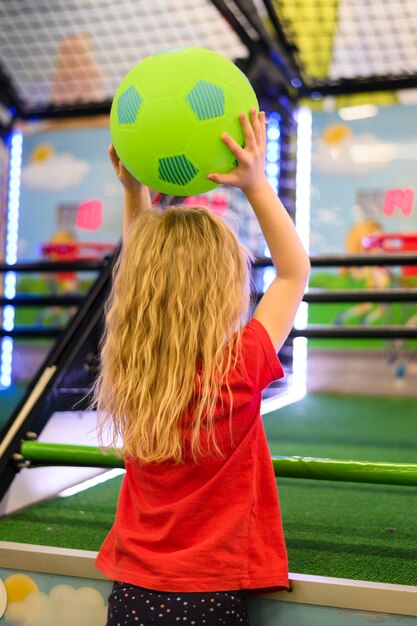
x: 260, y: 362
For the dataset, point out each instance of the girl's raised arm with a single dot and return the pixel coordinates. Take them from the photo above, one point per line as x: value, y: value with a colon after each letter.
x: 278, y: 306
x: 136, y: 195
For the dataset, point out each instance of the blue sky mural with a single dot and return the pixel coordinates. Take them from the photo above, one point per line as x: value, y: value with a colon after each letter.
x: 354, y: 164
x: 60, y: 170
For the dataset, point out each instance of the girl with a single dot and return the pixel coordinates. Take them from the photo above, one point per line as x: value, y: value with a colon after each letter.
x: 181, y: 378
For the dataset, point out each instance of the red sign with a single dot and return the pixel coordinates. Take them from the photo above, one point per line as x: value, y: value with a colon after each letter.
x: 399, y: 199
x: 89, y: 215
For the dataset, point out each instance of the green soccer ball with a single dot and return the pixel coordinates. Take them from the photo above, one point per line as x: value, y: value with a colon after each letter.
x: 168, y: 115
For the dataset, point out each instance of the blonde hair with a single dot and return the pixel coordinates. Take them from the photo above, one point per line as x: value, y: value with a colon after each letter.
x: 180, y: 294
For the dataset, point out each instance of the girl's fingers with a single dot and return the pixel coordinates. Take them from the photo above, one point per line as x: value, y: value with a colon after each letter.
x: 233, y: 146
x: 222, y: 179
x: 254, y: 117
x: 248, y: 134
x: 262, y: 124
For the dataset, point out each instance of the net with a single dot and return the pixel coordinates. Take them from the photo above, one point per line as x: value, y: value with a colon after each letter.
x: 65, y: 52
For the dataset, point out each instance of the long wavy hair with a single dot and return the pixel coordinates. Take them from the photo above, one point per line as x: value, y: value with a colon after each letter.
x: 179, y: 299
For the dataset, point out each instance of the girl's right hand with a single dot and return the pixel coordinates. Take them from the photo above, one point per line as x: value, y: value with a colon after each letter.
x: 249, y: 173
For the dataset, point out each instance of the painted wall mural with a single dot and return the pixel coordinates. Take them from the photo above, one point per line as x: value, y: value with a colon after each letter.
x: 364, y: 172
x: 364, y: 181
x: 35, y: 599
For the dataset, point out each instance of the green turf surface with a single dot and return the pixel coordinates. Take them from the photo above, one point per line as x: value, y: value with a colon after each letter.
x: 346, y: 530
x: 80, y: 521
x: 366, y: 532
x: 346, y: 427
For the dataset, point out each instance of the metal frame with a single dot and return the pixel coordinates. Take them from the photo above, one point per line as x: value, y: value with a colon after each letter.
x: 272, y: 67
x: 67, y: 372
x: 320, y: 88
x: 352, y: 260
x: 307, y: 88
x: 65, y: 378
x: 34, y: 454
x: 331, y: 296
x: 8, y: 95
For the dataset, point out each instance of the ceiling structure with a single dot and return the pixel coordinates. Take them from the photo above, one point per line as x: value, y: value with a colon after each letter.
x: 348, y: 45
x: 72, y: 52
x: 62, y: 57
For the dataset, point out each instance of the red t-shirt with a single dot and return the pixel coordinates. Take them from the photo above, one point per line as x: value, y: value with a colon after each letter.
x: 215, y: 525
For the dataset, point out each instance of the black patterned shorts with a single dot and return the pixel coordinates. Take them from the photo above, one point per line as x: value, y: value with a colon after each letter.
x: 135, y: 606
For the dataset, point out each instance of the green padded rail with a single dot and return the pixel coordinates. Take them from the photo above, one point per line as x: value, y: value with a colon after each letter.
x: 37, y: 453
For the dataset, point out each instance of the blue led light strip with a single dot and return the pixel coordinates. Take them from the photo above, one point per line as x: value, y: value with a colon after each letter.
x: 272, y: 170
x: 12, y: 228
x: 302, y: 223
x: 303, y: 193
x: 297, y: 382
x: 273, y: 149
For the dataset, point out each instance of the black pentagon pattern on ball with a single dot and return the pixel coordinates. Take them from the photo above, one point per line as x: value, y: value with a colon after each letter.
x: 206, y: 100
x: 177, y: 170
x: 128, y: 106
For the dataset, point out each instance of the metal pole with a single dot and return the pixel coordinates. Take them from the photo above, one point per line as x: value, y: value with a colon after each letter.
x: 319, y: 331
x: 55, y: 266
x: 69, y: 455
x: 347, y: 471
x: 285, y: 466
x: 351, y: 260
x: 360, y: 295
x: 327, y: 296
